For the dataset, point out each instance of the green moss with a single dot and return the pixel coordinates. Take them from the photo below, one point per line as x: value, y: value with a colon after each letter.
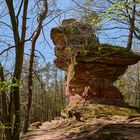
x: 91, y: 46
x: 68, y: 30
x: 91, y: 110
x: 68, y: 22
x: 109, y: 48
x: 101, y: 110
x: 103, y: 48
x: 93, y: 52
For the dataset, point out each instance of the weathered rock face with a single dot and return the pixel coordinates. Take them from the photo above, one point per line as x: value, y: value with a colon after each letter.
x: 91, y: 67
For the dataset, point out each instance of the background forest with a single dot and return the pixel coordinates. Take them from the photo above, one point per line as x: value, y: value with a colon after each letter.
x: 31, y: 86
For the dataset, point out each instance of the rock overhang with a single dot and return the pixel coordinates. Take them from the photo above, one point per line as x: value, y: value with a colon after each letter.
x: 91, y: 67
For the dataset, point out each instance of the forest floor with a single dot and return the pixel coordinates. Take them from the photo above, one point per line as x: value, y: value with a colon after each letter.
x: 104, y: 128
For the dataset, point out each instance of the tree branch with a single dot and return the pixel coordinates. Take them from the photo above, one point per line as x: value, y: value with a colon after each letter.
x: 6, y: 50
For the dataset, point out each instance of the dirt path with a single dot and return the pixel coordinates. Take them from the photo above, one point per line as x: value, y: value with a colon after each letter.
x: 88, y: 130
x: 48, y: 131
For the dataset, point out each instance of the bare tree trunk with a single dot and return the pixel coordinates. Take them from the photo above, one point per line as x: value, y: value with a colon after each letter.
x: 5, y: 115
x: 56, y: 92
x: 41, y: 18
x: 14, y: 106
x: 62, y: 91
x: 132, y: 25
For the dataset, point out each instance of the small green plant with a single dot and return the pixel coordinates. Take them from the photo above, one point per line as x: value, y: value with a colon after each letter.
x: 5, y: 85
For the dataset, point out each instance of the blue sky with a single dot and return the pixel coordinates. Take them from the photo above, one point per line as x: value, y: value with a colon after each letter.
x: 104, y: 36
x: 47, y: 50
x: 44, y: 48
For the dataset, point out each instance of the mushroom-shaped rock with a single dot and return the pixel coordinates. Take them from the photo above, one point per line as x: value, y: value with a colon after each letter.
x: 91, y: 67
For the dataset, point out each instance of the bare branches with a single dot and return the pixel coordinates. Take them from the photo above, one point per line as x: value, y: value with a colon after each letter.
x: 13, y: 21
x: 24, y: 21
x: 19, y: 10
x: 6, y: 50
x: 6, y: 24
x: 40, y: 19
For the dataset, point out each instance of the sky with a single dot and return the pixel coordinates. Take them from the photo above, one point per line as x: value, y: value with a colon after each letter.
x: 48, y: 50
x: 43, y: 47
x: 104, y: 37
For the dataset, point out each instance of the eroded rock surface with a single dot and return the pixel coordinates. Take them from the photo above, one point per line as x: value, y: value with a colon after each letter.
x: 91, y: 68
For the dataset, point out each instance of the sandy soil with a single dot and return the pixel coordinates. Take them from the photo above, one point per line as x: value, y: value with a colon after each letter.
x: 48, y: 131
x: 73, y: 130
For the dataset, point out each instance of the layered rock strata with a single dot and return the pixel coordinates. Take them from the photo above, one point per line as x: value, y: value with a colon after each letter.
x: 91, y: 68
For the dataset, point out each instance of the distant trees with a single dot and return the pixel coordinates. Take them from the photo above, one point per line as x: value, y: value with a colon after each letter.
x: 48, y: 97
x: 129, y: 85
x: 17, y: 33
x: 41, y: 17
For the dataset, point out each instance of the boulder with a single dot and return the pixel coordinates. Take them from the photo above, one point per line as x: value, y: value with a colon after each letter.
x: 91, y: 68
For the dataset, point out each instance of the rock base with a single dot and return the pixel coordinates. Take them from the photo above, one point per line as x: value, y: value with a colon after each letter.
x: 84, y: 110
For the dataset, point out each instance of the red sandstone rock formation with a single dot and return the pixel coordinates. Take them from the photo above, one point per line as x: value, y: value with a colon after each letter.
x: 91, y: 67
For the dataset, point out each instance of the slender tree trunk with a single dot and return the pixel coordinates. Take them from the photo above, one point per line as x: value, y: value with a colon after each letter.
x: 41, y: 18
x: 56, y: 92
x: 30, y: 88
x: 132, y: 25
x: 14, y: 106
x: 5, y: 114
x: 62, y: 91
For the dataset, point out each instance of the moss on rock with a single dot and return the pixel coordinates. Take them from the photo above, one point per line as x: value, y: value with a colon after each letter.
x: 104, y: 48
x: 95, y: 110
